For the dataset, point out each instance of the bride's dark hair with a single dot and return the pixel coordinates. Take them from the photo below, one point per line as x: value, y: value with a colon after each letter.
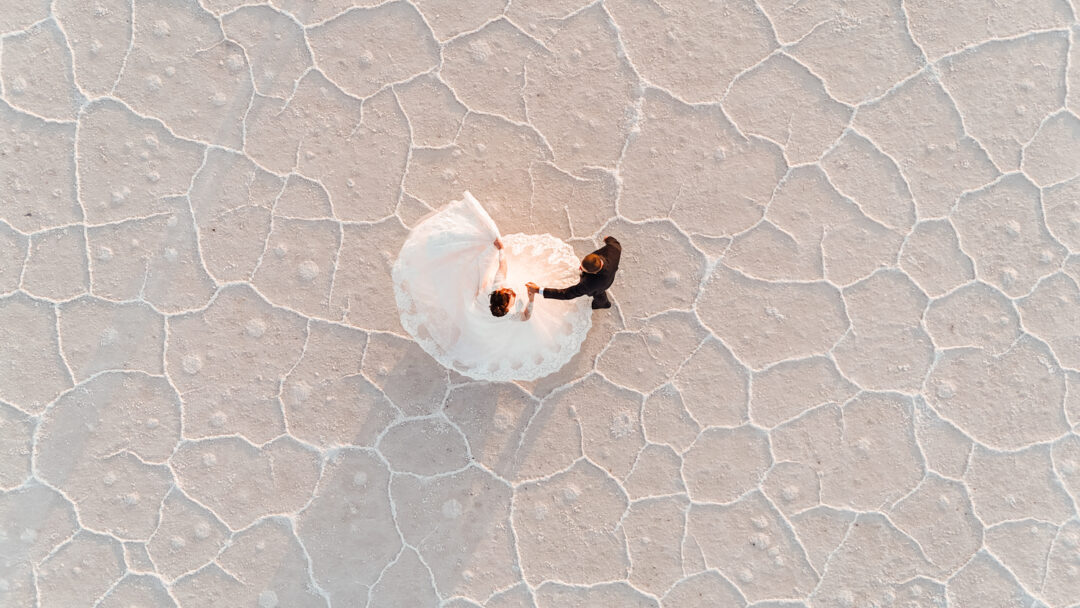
x: 500, y: 301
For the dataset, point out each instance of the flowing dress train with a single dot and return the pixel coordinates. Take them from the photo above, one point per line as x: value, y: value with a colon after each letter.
x: 442, y: 279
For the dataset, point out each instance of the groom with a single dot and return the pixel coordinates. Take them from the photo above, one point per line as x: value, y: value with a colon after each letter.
x: 597, y: 274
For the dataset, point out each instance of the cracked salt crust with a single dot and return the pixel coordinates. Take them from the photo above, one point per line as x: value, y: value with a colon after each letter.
x: 842, y: 368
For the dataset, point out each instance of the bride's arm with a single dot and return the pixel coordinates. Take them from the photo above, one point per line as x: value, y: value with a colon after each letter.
x: 500, y: 275
x: 528, y: 308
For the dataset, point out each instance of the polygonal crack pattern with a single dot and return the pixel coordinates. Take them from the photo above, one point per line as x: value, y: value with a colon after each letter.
x: 842, y: 368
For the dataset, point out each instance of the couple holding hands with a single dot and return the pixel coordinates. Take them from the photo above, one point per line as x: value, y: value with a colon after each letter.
x: 457, y: 283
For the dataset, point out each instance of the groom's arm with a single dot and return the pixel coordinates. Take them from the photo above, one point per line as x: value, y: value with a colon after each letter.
x: 567, y: 293
x: 611, y: 251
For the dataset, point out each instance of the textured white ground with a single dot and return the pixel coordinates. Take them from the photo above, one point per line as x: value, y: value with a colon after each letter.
x: 843, y: 368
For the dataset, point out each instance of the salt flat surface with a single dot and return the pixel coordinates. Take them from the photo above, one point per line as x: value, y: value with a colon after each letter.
x: 843, y: 368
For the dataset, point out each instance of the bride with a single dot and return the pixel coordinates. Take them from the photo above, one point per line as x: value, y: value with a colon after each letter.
x: 460, y: 289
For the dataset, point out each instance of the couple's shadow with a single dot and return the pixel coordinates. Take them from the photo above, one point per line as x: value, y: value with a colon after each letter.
x: 489, y: 405
x: 517, y: 430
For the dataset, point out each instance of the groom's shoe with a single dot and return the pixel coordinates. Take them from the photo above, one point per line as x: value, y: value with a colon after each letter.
x: 598, y: 305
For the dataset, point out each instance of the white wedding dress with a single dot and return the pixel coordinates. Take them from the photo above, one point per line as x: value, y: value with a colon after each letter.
x: 443, y: 278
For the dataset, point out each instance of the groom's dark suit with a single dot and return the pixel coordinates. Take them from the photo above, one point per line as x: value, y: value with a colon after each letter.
x: 594, y: 285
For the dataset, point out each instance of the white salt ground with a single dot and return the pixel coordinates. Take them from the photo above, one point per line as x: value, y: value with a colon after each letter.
x: 841, y: 369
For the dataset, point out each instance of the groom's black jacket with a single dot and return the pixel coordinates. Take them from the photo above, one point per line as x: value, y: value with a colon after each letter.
x: 593, y: 284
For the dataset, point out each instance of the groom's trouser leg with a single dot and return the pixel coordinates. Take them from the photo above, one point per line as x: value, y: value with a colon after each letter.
x: 600, y: 300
